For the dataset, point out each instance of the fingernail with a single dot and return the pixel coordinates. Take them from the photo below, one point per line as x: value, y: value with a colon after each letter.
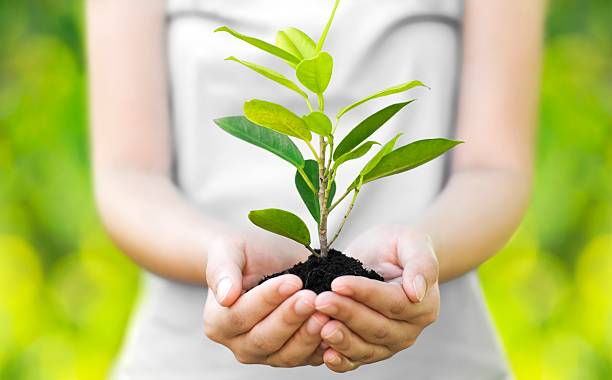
x: 335, y: 360
x: 287, y: 288
x: 335, y: 337
x: 223, y: 288
x: 420, y: 286
x: 313, y: 327
x: 328, y: 309
x: 303, y: 307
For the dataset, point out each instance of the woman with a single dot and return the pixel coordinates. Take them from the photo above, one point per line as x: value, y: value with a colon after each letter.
x: 173, y: 190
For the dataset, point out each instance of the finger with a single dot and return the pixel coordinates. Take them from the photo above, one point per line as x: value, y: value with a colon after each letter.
x: 389, y: 299
x: 343, y: 340
x: 301, y: 347
x: 270, y: 334
x: 338, y: 362
x: 224, y: 271
x: 417, y: 256
x: 316, y: 359
x: 253, y: 306
x: 369, y: 324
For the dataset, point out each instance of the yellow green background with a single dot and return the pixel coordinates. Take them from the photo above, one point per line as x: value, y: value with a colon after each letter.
x: 66, y: 292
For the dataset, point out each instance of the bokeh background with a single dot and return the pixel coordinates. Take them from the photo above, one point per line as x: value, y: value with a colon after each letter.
x: 66, y: 293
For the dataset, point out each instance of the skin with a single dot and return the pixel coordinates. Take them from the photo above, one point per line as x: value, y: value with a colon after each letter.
x: 156, y: 226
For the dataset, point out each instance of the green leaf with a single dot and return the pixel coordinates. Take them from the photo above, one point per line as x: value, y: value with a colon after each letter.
x: 319, y: 123
x: 281, y: 222
x: 297, y: 43
x: 386, y: 149
x: 310, y: 199
x: 276, y: 117
x: 271, y: 74
x: 388, y: 91
x: 409, y: 157
x: 315, y: 73
x: 265, y: 138
x: 263, y: 45
x: 367, y: 127
x: 355, y: 153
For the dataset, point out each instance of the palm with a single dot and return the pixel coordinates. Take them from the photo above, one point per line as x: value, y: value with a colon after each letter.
x: 377, y: 249
x: 266, y: 254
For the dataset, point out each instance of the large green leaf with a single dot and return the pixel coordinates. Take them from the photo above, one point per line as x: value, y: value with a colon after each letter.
x: 367, y: 127
x: 276, y: 117
x: 319, y: 123
x: 265, y: 138
x: 271, y: 74
x: 355, y: 153
x: 311, y: 200
x: 388, y: 91
x: 315, y: 73
x: 263, y: 45
x: 281, y: 222
x: 409, y: 157
x: 386, y: 149
x: 297, y: 43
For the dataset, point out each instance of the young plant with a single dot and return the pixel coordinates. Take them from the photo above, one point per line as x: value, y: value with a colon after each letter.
x: 272, y: 127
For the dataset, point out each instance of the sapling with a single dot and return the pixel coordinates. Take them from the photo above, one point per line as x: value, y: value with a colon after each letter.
x: 274, y: 127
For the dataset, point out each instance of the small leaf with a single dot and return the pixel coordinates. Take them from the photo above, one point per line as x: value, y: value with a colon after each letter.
x: 315, y: 73
x: 409, y: 157
x: 265, y: 138
x: 367, y: 127
x: 297, y: 43
x: 263, y: 45
x: 388, y: 91
x: 276, y: 117
x: 386, y: 149
x: 310, y: 199
x: 281, y: 222
x: 355, y: 153
x: 319, y: 123
x: 271, y: 74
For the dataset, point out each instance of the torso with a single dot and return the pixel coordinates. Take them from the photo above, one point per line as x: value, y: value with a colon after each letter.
x: 375, y: 44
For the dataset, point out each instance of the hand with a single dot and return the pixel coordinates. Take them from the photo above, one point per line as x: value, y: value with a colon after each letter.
x: 274, y: 323
x: 373, y: 320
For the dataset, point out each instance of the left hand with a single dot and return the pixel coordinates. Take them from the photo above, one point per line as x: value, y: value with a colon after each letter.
x: 373, y: 320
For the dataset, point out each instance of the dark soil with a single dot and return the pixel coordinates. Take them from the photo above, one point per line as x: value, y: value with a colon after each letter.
x: 317, y: 274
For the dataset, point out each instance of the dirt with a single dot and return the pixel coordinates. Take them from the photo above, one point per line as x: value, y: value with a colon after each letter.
x: 317, y: 274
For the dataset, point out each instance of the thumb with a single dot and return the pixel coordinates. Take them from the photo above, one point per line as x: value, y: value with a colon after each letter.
x: 224, y: 271
x: 417, y: 256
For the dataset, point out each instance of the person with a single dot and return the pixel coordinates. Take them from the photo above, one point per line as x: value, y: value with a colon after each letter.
x: 173, y: 190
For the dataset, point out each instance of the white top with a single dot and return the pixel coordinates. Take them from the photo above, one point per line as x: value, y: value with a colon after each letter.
x: 375, y: 44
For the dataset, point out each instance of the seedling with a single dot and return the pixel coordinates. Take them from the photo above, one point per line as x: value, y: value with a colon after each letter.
x: 274, y: 127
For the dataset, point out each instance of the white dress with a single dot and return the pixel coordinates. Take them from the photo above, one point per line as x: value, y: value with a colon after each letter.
x: 375, y: 44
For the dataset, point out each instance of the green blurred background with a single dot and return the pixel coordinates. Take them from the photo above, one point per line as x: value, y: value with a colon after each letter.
x: 66, y: 292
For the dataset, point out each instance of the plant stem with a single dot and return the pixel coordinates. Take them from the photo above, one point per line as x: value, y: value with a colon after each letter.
x: 336, y: 203
x: 312, y: 250
x: 307, y: 180
x: 309, y: 104
x: 321, y: 102
x: 346, y: 215
x: 323, y: 211
x: 314, y: 152
x: 329, y: 22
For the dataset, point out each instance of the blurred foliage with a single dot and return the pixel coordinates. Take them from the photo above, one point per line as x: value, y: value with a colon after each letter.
x: 66, y: 292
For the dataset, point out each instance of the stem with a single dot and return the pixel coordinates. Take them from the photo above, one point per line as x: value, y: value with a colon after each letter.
x: 348, y: 212
x: 312, y: 250
x: 321, y: 102
x: 323, y: 211
x: 314, y: 152
x: 329, y: 22
x: 309, y: 104
x: 307, y: 180
x: 336, y: 203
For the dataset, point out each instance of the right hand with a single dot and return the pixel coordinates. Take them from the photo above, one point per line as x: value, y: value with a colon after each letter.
x: 275, y: 323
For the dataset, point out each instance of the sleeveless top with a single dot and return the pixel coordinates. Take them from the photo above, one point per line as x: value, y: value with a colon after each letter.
x: 375, y: 44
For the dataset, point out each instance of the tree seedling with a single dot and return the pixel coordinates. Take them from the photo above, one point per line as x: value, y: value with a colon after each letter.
x: 273, y: 127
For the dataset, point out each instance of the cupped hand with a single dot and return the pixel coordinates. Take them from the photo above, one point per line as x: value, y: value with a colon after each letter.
x: 373, y: 320
x: 274, y: 323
